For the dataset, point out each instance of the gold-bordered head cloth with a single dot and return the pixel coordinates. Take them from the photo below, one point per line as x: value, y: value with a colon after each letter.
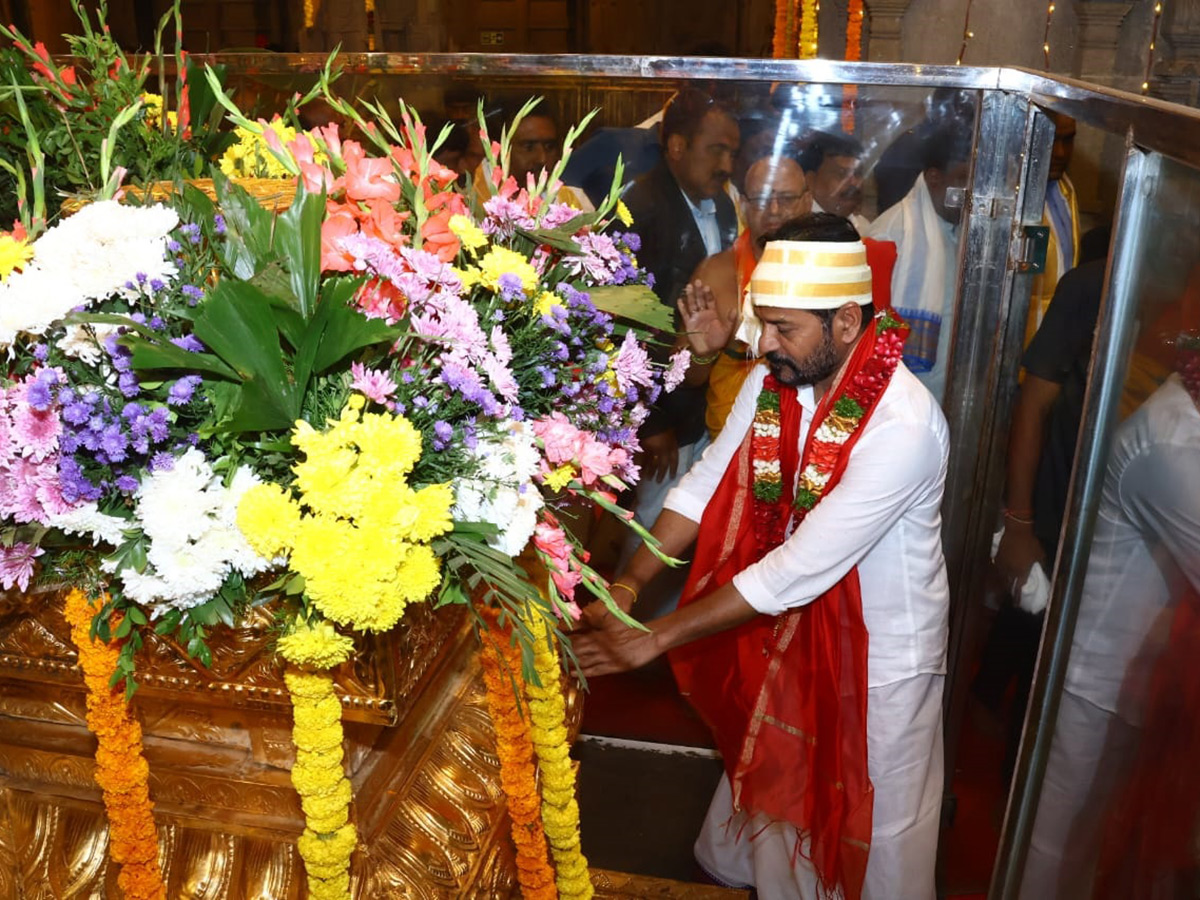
x: 804, y: 275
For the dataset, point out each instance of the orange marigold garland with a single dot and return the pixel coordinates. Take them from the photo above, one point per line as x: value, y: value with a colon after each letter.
x: 501, y: 662
x: 854, y: 24
x: 121, y: 769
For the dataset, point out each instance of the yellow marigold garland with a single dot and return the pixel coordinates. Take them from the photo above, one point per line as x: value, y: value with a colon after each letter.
x: 501, y: 663
x: 318, y: 776
x: 807, y: 48
x: 121, y: 768
x: 560, y: 810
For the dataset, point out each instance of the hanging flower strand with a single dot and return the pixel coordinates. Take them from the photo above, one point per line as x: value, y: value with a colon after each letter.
x: 318, y: 774
x: 121, y: 767
x: 501, y: 661
x: 560, y: 810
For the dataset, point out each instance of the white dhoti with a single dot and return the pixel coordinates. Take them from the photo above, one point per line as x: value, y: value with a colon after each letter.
x: 904, y: 760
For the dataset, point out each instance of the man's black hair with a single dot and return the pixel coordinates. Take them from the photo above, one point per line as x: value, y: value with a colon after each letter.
x: 822, y: 144
x: 947, y: 145
x: 820, y: 227
x: 685, y: 111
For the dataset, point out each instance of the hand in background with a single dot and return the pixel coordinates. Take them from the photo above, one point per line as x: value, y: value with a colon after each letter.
x: 706, y: 328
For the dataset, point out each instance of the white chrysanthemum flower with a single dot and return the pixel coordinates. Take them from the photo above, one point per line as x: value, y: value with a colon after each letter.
x: 503, y: 494
x: 86, y: 343
x: 189, y: 519
x: 33, y: 300
x: 174, y: 505
x: 107, y: 245
x: 89, y: 521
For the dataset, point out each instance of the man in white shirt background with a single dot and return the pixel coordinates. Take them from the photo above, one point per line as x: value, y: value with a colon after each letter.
x: 924, y: 226
x: 878, y: 529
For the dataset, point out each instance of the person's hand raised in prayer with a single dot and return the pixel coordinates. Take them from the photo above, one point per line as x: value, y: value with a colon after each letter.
x: 708, y: 330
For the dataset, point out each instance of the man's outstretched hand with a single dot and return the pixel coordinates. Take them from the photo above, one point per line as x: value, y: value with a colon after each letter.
x: 610, y: 645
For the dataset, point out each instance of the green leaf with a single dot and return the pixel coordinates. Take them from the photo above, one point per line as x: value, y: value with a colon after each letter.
x: 124, y: 628
x: 248, y: 244
x: 153, y: 355
x: 337, y: 330
x: 634, y: 302
x: 298, y: 237
x: 237, y: 323
x: 139, y: 617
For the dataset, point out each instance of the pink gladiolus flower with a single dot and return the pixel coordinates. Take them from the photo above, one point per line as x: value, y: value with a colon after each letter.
x: 334, y: 257
x: 368, y: 178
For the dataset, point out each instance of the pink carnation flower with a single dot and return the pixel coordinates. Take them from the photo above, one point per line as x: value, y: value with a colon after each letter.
x: 561, y: 441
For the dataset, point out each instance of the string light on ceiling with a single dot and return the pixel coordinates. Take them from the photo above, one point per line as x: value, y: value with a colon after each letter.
x: 1158, y: 8
x: 966, y: 35
x: 1046, y: 35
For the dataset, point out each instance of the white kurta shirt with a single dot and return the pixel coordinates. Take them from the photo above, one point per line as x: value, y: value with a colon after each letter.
x: 884, y: 516
x: 1147, y: 539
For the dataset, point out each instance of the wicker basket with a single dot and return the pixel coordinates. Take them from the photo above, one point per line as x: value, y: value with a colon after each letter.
x: 275, y: 194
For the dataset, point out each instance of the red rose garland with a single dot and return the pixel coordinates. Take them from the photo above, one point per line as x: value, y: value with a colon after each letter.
x: 841, y: 420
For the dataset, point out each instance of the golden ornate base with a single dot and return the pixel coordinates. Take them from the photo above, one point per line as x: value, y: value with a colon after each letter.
x: 419, y: 752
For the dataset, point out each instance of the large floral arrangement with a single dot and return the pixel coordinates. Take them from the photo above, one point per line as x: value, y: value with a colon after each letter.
x: 377, y: 398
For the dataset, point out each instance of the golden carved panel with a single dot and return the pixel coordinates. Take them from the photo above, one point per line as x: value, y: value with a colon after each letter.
x: 377, y: 684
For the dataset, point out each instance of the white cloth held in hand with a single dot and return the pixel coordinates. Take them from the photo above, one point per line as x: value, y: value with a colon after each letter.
x: 1034, y: 594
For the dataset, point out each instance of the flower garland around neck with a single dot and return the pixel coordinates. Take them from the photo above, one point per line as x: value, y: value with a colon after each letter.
x: 318, y: 775
x: 856, y: 395
x: 560, y: 810
x: 501, y: 661
x: 121, y: 768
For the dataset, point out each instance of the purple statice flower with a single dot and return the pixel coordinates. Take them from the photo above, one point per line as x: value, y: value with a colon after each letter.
x: 162, y: 462
x: 138, y: 317
x: 77, y: 412
x: 126, y: 484
x: 442, y: 433
x: 406, y: 377
x: 191, y: 231
x: 193, y: 293
x: 189, y: 342
x: 16, y: 565
x: 548, y: 375
x: 114, y: 442
x: 181, y: 391
x: 219, y: 223
x: 156, y: 285
x: 39, y: 392
x: 76, y: 487
x: 511, y: 288
x: 40, y: 352
x: 157, y: 323
x: 127, y: 383
x: 630, y: 239
x: 173, y: 246
x: 377, y: 386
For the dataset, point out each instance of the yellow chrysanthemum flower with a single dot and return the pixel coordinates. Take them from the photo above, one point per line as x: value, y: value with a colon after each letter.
x: 546, y: 301
x: 316, y: 646
x: 268, y: 517
x: 502, y: 261
x: 468, y: 232
x: 14, y: 255
x: 468, y: 276
x: 153, y: 104
x: 624, y: 214
x: 560, y: 477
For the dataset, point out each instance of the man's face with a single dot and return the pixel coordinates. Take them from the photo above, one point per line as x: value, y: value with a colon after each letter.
x: 534, y: 147
x: 775, y: 192
x: 837, y: 185
x: 939, y: 182
x: 703, y: 164
x: 1064, y: 146
x: 473, y: 155
x: 798, y: 347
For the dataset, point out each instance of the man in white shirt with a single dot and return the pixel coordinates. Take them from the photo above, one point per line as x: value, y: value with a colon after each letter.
x: 1144, y: 557
x: 832, y: 166
x: 925, y: 230
x: 860, y: 524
